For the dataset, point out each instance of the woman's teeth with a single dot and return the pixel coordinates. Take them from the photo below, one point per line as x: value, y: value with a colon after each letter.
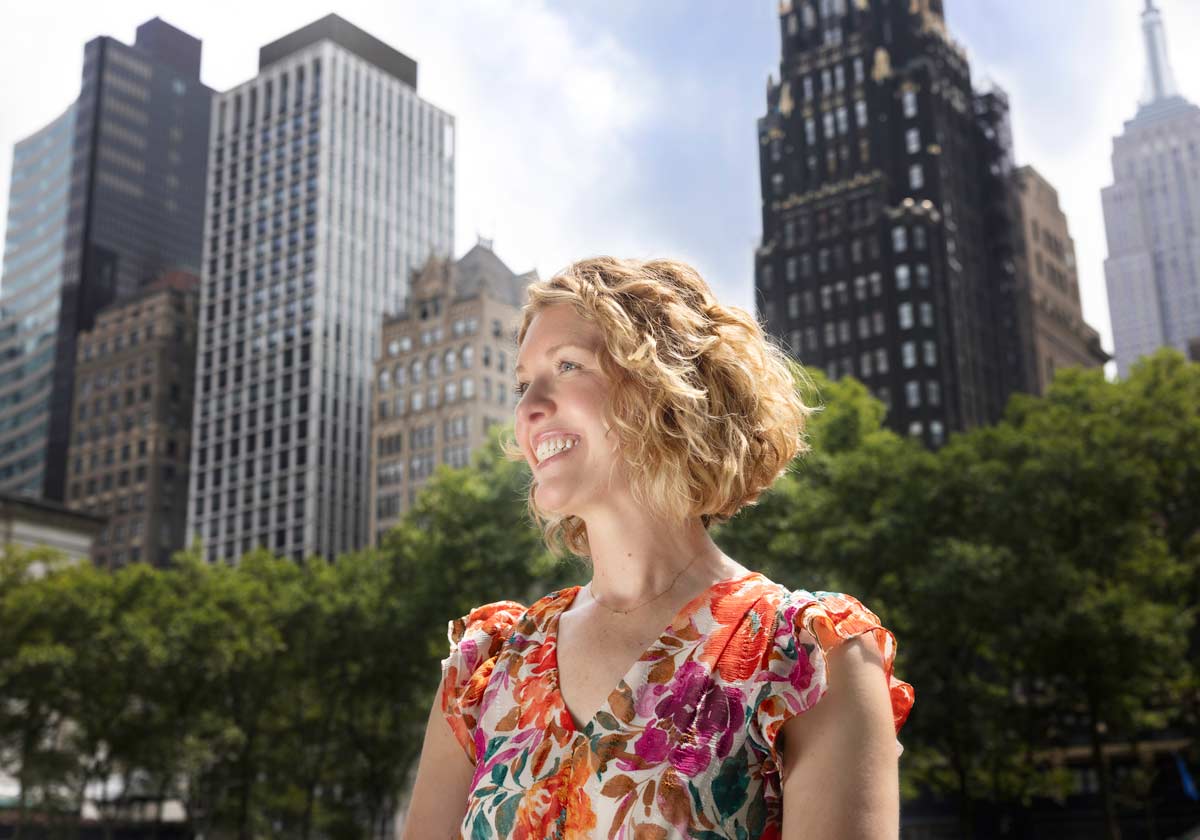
x: 549, y: 450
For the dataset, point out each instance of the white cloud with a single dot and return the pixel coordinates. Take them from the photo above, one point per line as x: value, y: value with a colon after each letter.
x: 545, y: 114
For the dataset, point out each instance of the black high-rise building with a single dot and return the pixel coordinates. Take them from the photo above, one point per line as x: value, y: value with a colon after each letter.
x: 891, y: 235
x: 105, y: 200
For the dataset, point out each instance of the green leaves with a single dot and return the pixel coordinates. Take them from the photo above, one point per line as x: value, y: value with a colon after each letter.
x: 1038, y: 573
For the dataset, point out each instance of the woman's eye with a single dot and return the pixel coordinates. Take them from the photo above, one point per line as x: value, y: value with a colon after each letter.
x: 519, y: 388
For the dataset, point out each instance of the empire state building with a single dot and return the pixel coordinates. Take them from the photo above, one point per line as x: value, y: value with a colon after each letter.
x: 1152, y: 212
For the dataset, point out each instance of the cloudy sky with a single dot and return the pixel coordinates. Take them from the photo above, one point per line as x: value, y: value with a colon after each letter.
x: 628, y: 126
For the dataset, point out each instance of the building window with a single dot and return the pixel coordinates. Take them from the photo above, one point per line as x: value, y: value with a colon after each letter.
x: 912, y: 139
x: 915, y: 429
x: 933, y: 389
x: 912, y: 394
x: 906, y: 316
x: 910, y: 103
x: 937, y: 432
x: 899, y: 239
x: 930, y: 354
x: 794, y: 305
x: 903, y: 275
x: 916, y: 176
x: 926, y: 314
x: 908, y: 354
x: 860, y: 113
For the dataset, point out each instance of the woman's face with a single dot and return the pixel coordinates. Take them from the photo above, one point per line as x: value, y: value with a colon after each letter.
x: 562, y: 397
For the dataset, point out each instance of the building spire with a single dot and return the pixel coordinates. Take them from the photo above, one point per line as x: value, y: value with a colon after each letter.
x: 1160, y: 80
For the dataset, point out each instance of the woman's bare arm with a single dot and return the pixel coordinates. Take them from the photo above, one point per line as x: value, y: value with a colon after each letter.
x: 439, y: 798
x: 841, y: 778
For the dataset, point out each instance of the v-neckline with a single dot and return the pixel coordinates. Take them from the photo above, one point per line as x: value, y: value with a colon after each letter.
x: 567, y: 598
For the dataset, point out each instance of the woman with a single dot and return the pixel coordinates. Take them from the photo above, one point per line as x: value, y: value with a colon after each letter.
x: 648, y: 411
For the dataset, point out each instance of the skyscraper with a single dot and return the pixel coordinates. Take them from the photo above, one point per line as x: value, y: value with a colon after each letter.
x: 103, y: 200
x: 330, y: 180
x: 891, y: 239
x: 1151, y: 213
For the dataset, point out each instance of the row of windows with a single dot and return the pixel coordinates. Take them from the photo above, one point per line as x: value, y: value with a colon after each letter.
x: 875, y: 362
x: 119, y: 479
x: 127, y: 421
x: 436, y: 365
x: 266, y: 438
x: 230, y: 109
x: 110, y: 455
x: 235, y: 425
x: 93, y: 348
x: 460, y: 327
x: 248, y: 490
x: 420, y: 400
x: 453, y: 429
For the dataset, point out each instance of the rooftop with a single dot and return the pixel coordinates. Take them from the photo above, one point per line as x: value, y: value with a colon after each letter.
x: 348, y: 36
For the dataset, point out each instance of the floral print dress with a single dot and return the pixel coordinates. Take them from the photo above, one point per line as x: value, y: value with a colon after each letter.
x: 685, y: 745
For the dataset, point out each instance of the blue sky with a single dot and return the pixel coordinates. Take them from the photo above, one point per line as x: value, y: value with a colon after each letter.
x: 628, y: 126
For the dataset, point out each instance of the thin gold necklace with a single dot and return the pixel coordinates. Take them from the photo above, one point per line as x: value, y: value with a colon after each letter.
x: 674, y: 580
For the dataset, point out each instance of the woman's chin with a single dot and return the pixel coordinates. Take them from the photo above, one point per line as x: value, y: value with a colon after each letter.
x: 553, y: 499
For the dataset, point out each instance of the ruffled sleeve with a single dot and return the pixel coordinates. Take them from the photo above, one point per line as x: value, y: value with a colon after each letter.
x: 475, y: 642
x: 808, y: 626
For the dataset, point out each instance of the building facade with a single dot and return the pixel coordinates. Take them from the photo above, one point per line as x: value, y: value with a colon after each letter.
x: 444, y: 375
x: 1151, y: 212
x: 1061, y: 338
x: 103, y: 201
x: 891, y: 243
x: 129, y: 453
x: 30, y: 296
x: 330, y: 181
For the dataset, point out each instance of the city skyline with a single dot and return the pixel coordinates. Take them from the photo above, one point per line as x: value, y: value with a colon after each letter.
x: 630, y: 94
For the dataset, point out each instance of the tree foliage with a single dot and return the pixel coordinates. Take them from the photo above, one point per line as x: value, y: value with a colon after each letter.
x: 1041, y: 576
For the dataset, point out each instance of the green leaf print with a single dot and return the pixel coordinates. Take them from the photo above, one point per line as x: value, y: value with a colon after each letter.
x: 729, y: 787
x: 506, y: 814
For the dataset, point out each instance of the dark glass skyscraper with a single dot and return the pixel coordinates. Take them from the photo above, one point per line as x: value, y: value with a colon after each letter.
x: 891, y: 238
x: 116, y: 198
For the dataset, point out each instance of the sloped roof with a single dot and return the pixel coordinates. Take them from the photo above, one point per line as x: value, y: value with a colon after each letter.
x: 481, y: 272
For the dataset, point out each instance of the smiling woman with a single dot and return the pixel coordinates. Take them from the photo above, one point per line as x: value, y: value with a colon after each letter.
x: 676, y: 694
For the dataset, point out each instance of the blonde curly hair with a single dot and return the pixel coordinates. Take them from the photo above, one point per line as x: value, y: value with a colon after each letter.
x: 704, y: 404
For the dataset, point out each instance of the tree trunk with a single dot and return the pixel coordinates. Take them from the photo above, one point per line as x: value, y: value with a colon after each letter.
x: 1112, y: 829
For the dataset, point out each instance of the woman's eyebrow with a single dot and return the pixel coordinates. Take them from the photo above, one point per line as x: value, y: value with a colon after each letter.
x: 552, y: 350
